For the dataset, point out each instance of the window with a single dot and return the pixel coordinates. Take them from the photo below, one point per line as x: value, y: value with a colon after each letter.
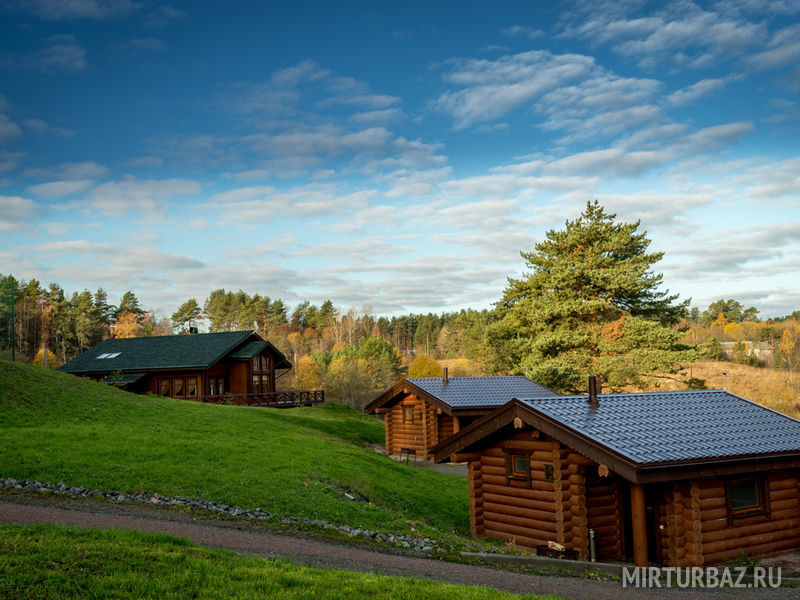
x: 518, y: 466
x: 216, y: 385
x: 164, y: 386
x: 746, y: 497
x: 108, y: 355
x: 177, y: 387
x: 191, y: 386
x: 408, y: 414
x: 260, y: 367
x: 548, y: 472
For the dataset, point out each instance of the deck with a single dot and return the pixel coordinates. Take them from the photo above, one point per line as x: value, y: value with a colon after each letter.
x: 288, y: 399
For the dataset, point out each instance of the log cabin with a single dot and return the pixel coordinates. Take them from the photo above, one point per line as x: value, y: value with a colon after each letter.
x: 419, y: 412
x: 235, y: 365
x: 678, y: 479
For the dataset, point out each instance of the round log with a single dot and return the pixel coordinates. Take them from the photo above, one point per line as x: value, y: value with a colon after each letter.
x: 515, y: 530
x: 533, y: 502
x: 785, y: 504
x: 519, y: 542
x: 742, y: 532
x: 784, y: 494
x: 519, y: 511
x: 747, y: 543
x: 490, y: 519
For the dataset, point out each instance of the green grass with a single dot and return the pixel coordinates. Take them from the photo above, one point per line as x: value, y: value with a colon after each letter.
x: 58, y: 427
x: 45, y: 561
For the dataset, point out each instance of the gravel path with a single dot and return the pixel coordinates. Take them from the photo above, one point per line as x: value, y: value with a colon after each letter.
x: 240, y: 537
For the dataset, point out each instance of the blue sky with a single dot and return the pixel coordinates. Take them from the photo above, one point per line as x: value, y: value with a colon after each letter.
x: 394, y: 157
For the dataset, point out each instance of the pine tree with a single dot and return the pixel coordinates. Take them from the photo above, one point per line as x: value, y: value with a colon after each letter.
x: 590, y: 305
x: 187, y: 312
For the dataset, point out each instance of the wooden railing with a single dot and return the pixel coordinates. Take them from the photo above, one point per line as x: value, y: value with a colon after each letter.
x: 272, y: 399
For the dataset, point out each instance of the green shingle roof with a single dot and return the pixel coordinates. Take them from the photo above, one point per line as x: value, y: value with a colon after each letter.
x: 123, y: 378
x: 161, y: 352
x: 249, y: 349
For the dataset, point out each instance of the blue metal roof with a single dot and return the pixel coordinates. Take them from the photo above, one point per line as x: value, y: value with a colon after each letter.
x: 658, y: 427
x: 479, y: 392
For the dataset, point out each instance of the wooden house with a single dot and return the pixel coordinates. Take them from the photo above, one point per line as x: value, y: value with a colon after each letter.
x: 419, y: 412
x: 239, y: 366
x: 675, y: 478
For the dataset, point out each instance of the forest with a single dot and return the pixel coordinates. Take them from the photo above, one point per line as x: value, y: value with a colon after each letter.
x: 589, y: 304
x: 350, y: 354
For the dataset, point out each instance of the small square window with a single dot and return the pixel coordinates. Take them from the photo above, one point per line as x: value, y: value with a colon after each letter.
x: 747, y: 497
x: 518, y: 466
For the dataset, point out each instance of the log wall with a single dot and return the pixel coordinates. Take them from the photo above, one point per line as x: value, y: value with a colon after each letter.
x: 698, y: 530
x: 604, y: 514
x: 527, y: 516
x: 411, y: 434
x: 764, y: 534
x: 445, y: 426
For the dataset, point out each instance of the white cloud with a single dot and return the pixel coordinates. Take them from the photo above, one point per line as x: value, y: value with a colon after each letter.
x: 8, y: 129
x: 680, y: 33
x: 16, y: 211
x: 143, y: 197
x: 697, y: 90
x: 784, y: 50
x: 575, y: 95
x: 59, y: 189
x: 42, y: 128
x: 61, y: 53
x: 70, y: 171
x: 522, y: 31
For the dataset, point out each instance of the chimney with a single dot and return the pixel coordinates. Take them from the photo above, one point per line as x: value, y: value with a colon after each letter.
x: 444, y: 375
x: 594, y: 389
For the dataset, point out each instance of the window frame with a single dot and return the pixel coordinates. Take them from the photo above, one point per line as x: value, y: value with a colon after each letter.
x: 761, y: 509
x: 511, y: 473
x: 408, y: 413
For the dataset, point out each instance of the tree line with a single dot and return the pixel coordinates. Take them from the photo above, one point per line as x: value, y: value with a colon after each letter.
x: 589, y: 304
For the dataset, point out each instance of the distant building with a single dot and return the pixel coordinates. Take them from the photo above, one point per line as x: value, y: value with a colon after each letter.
x: 419, y: 412
x: 193, y: 367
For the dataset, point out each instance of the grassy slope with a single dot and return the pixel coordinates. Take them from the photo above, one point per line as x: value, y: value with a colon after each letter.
x: 57, y: 427
x: 45, y: 561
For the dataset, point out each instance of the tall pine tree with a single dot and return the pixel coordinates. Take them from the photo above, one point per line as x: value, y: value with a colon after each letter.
x: 590, y: 305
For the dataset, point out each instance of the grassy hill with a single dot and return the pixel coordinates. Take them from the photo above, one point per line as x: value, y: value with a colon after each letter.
x: 58, y: 427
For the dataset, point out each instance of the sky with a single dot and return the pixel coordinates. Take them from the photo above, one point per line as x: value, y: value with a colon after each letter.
x: 395, y: 156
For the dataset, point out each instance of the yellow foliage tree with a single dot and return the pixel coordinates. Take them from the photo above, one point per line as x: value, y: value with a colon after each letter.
x: 127, y: 326
x: 424, y: 366
x: 52, y: 361
x: 462, y: 367
x: 306, y: 373
x: 787, y: 346
x: 734, y: 331
x: 721, y: 321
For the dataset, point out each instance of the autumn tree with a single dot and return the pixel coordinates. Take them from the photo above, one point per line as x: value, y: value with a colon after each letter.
x: 424, y: 366
x: 590, y: 305
x: 126, y: 326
